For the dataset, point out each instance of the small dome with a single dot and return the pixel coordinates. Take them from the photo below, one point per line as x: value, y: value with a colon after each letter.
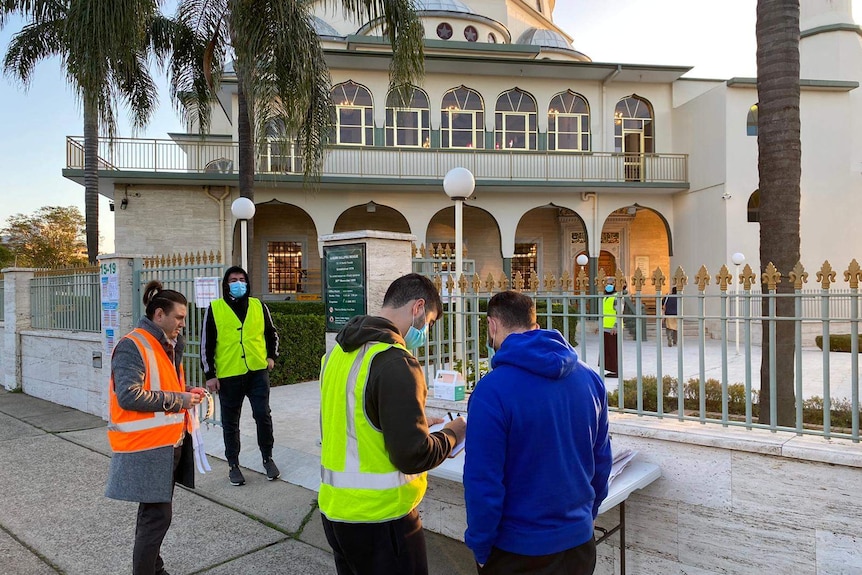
x: 546, y: 38
x: 323, y: 28
x: 442, y: 6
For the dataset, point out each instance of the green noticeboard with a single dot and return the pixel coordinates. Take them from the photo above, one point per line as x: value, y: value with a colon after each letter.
x: 344, y: 287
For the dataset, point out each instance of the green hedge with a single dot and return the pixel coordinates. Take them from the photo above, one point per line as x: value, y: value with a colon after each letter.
x: 296, y: 307
x: 302, y: 342
x: 838, y: 342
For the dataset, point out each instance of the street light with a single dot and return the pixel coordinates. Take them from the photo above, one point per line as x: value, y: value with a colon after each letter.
x: 738, y: 258
x: 459, y: 184
x: 243, y: 210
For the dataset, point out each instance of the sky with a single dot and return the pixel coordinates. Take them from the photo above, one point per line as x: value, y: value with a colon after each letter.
x: 716, y: 39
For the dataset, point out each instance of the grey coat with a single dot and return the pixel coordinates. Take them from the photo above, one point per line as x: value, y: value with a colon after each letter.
x: 147, y: 476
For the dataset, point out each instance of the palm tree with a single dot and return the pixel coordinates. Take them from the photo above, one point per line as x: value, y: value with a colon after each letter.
x: 280, y: 69
x: 779, y: 164
x: 103, y: 46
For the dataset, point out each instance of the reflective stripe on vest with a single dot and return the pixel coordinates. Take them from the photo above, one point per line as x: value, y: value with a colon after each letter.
x: 130, y: 431
x: 240, y: 347
x: 358, y: 481
x: 609, y: 308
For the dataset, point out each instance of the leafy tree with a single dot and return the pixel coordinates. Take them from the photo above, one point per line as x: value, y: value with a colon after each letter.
x: 282, y: 77
x: 104, y: 46
x: 7, y: 258
x: 52, y: 236
x: 779, y: 165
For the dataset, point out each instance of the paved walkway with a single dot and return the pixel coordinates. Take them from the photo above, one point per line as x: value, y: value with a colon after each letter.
x: 55, y: 519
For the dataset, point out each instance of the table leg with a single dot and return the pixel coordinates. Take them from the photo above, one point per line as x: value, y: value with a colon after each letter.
x: 623, y: 538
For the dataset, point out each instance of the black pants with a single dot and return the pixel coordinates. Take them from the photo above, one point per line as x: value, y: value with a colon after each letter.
x: 154, y: 520
x: 391, y: 548
x: 610, y: 351
x: 580, y: 560
x: 232, y: 392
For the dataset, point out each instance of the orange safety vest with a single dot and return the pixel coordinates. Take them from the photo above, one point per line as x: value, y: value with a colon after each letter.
x: 130, y: 431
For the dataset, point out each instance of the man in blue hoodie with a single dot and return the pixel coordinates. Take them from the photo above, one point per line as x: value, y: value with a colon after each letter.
x: 538, y: 453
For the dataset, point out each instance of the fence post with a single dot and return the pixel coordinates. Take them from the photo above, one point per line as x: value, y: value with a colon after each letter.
x: 118, y: 294
x: 16, y: 318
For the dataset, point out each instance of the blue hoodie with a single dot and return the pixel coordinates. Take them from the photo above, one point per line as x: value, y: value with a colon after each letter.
x: 538, y: 453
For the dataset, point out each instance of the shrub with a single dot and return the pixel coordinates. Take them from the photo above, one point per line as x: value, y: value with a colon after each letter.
x: 840, y: 413
x: 302, y: 342
x: 837, y: 342
x: 650, y: 395
x: 296, y: 307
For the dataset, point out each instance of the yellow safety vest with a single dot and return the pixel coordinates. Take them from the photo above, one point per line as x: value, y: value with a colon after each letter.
x: 358, y: 483
x: 609, y: 308
x: 240, y: 347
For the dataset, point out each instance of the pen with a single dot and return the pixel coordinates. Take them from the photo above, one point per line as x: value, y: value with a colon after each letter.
x: 449, y: 413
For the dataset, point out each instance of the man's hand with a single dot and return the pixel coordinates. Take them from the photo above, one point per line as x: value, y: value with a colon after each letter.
x: 433, y: 420
x: 459, y: 426
x: 213, y: 385
x: 198, y: 390
x: 270, y: 363
x: 191, y: 399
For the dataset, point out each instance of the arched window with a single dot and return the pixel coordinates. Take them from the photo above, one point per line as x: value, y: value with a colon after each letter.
x: 462, y: 122
x: 751, y: 122
x: 515, y: 121
x: 407, y: 123
x: 633, y: 134
x: 354, y: 114
x: 569, y: 122
x: 754, y: 206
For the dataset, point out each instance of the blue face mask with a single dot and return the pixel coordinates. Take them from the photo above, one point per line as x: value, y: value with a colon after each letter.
x: 416, y: 338
x: 490, y: 345
x: 609, y: 288
x: 237, y: 289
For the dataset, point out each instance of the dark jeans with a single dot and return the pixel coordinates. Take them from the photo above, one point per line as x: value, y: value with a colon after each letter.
x: 233, y: 390
x: 154, y: 520
x: 391, y: 548
x: 610, y: 351
x: 580, y: 560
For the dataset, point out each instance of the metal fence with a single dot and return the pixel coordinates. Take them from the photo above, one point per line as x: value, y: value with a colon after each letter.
x: 66, y: 299
x: 178, y: 272
x: 713, y: 376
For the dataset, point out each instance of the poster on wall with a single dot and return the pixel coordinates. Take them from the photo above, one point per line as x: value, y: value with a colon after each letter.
x: 344, y: 284
x: 109, y: 289
x: 207, y: 290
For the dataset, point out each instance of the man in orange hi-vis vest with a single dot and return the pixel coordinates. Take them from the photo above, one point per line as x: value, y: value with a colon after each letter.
x: 148, y: 422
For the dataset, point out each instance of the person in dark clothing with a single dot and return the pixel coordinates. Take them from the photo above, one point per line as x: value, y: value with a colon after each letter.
x: 671, y: 324
x: 611, y: 304
x: 239, y: 346
x: 376, y: 446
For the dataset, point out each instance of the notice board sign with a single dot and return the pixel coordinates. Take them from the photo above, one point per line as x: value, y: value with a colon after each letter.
x: 344, y: 287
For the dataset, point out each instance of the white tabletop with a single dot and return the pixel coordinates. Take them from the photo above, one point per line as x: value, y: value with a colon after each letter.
x: 636, y: 475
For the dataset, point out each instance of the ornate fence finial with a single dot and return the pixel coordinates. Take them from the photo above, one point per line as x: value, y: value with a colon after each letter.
x: 565, y: 281
x: 422, y: 251
x: 701, y: 279
x: 826, y: 276
x: 462, y: 283
x: 723, y: 278
x: 438, y: 283
x: 489, y: 283
x: 464, y: 251
x: 533, y: 283
x: 413, y: 250
x: 599, y: 280
x: 798, y: 276
x: 476, y: 283
x: 549, y: 282
x: 658, y: 280
x: 746, y: 278
x: 771, y: 277
x: 450, y: 283
x: 448, y: 252
x: 504, y: 282
x: 582, y: 282
x: 638, y: 280
x: 619, y: 280
x: 518, y: 281
x: 680, y: 280
x: 853, y: 274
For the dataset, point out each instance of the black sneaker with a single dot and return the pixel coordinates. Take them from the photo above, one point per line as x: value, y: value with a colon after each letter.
x: 272, y: 471
x: 235, y: 476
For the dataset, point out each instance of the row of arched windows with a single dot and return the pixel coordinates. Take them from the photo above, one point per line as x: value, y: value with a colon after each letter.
x: 462, y: 120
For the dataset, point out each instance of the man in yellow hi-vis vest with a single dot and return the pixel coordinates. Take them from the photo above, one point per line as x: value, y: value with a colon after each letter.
x: 610, y: 310
x: 376, y: 447
x: 239, y: 346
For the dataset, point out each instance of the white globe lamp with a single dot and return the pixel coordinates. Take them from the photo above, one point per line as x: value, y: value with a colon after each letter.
x: 243, y: 210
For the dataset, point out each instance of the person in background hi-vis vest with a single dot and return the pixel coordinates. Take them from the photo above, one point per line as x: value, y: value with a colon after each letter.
x: 239, y: 346
x: 148, y: 422
x: 376, y: 447
x: 610, y: 310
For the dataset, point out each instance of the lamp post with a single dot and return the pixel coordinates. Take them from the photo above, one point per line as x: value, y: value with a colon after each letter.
x: 459, y: 184
x: 738, y: 258
x: 243, y: 210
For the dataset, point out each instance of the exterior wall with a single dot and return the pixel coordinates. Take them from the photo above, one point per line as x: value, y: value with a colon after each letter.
x: 540, y: 226
x: 58, y: 367
x: 709, y: 513
x: 481, y: 237
x: 280, y: 223
x: 2, y: 355
x: 648, y: 237
x: 167, y: 220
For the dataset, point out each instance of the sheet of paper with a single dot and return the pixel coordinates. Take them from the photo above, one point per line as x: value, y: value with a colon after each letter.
x: 459, y: 447
x: 621, y: 459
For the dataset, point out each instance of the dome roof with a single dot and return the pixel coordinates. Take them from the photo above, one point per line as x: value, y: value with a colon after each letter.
x: 323, y: 28
x: 443, y: 6
x: 545, y: 38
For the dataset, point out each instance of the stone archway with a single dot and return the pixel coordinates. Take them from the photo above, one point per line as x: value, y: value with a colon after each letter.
x: 371, y: 216
x: 481, y: 238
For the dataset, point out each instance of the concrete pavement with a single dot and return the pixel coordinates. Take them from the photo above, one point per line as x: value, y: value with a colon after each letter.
x: 54, y: 517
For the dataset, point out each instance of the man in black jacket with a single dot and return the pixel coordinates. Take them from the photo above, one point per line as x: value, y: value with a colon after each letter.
x: 238, y: 349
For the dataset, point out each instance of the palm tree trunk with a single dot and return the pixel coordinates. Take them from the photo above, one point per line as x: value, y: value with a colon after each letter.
x: 246, y: 164
x: 779, y: 166
x: 91, y: 177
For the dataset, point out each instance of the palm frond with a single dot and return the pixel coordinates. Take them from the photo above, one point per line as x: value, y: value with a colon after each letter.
x: 34, y: 43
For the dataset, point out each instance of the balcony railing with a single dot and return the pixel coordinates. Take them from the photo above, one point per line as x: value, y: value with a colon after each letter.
x: 204, y: 156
